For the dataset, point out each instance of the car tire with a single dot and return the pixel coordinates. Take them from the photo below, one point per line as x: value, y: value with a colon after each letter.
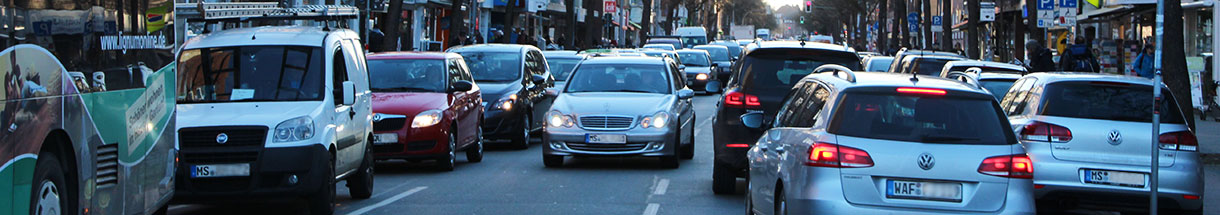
x: 360, y: 185
x: 673, y: 161
x: 474, y: 154
x: 723, y: 179
x: 522, y: 140
x: 323, y: 203
x: 749, y: 200
x: 781, y: 202
x: 688, y: 150
x: 552, y: 160
x: 446, y: 163
x: 50, y: 190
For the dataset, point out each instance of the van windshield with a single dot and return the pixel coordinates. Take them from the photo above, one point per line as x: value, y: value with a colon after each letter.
x: 250, y: 73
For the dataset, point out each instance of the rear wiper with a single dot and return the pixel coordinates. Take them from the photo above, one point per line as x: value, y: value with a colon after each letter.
x: 937, y: 138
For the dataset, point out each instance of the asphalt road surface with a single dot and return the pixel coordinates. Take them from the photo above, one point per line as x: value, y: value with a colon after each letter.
x: 515, y: 182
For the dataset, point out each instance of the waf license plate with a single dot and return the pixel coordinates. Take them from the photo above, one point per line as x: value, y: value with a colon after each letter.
x: 606, y: 138
x: 939, y: 191
x: 1117, y: 178
x: 220, y: 170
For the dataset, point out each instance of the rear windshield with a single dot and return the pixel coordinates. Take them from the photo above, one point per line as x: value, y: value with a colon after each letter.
x: 561, y: 67
x: 929, y: 66
x: 880, y: 64
x: 773, y: 72
x: 985, y: 69
x: 694, y: 59
x: 998, y: 87
x: 717, y: 54
x: 928, y: 119
x: 1106, y: 101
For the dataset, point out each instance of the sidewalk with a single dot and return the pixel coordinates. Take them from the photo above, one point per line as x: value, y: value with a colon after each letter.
x: 1211, y: 188
x: 1208, y: 134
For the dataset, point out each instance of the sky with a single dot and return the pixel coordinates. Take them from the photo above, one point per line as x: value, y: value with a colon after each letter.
x: 775, y: 4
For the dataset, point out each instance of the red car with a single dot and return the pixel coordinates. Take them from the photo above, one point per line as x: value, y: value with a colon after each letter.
x: 427, y: 107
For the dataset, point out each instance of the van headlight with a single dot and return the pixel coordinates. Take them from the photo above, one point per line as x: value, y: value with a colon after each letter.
x: 657, y: 120
x: 427, y: 118
x: 557, y: 119
x: 295, y: 129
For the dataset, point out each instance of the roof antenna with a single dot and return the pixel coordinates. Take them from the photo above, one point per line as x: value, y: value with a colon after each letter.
x: 915, y: 77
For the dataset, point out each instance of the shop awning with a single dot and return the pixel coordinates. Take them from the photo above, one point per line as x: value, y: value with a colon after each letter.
x: 1197, y: 4
x: 1102, y: 12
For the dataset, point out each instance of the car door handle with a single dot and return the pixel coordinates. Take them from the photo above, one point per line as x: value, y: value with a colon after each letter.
x: 351, y: 112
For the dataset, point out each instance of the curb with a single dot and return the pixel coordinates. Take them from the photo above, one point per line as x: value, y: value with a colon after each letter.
x: 1210, y: 159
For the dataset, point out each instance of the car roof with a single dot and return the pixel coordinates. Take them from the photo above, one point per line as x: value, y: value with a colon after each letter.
x: 710, y: 46
x: 407, y: 55
x: 1049, y: 77
x: 1006, y: 76
x: 490, y: 47
x: 698, y: 51
x: 725, y: 43
x: 883, y: 79
x: 311, y: 36
x: 798, y: 44
x: 558, y: 53
x: 877, y: 57
x: 929, y: 52
x: 663, y: 39
x: 958, y: 63
x: 625, y: 60
x: 913, y: 57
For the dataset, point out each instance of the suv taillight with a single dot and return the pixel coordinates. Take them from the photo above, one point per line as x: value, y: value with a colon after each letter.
x: 1182, y: 141
x: 1008, y: 166
x: 1046, y: 132
x: 737, y: 99
x: 831, y: 155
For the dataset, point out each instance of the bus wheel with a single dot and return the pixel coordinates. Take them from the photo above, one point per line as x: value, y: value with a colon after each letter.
x: 51, y: 194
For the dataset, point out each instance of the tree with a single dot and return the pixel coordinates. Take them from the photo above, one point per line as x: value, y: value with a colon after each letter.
x: 972, y: 30
x: 927, y: 23
x: 393, y: 20
x: 883, y: 36
x: 1173, y: 61
x: 570, y: 40
x: 510, y: 20
x: 646, y: 18
x: 946, y: 26
x: 456, y: 23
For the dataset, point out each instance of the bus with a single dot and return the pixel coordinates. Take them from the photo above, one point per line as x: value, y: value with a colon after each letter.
x: 87, y: 122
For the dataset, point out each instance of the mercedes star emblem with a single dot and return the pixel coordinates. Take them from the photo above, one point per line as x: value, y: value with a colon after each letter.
x: 926, y: 161
x: 222, y: 138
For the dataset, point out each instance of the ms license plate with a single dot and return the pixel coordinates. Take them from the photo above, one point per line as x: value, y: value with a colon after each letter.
x: 606, y: 138
x: 1126, y: 179
x: 220, y: 170
x: 923, y: 190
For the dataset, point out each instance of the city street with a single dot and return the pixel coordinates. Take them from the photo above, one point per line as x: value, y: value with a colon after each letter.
x: 515, y: 182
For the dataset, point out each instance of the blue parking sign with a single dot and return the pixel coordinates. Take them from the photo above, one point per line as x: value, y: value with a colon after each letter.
x: 936, y: 20
x: 42, y: 28
x: 1068, y: 3
x: 1046, y: 4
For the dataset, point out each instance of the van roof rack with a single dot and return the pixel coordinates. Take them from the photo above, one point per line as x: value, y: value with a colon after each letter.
x: 236, y: 12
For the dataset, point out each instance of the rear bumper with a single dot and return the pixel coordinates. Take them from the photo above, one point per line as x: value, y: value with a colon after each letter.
x: 823, y: 194
x: 268, y: 178
x: 639, y: 143
x: 1064, y: 180
x: 723, y: 134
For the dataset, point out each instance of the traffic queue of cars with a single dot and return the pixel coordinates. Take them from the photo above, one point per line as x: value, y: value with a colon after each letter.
x: 940, y: 134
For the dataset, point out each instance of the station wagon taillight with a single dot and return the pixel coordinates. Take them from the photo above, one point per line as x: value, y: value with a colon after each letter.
x: 1181, y: 141
x: 1046, y: 132
x: 1008, y: 166
x: 836, y: 156
x: 737, y: 99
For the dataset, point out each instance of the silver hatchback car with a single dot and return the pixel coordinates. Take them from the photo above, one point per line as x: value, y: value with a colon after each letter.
x: 1089, y: 135
x: 885, y: 143
x: 622, y: 106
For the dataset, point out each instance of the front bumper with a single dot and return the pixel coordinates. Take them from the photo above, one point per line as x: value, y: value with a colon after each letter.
x: 501, y: 124
x: 268, y: 179
x: 1064, y: 180
x: 694, y: 83
x: 639, y: 143
x: 414, y: 144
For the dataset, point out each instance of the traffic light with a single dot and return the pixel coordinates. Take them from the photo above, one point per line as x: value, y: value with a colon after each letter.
x: 809, y: 6
x: 802, y: 20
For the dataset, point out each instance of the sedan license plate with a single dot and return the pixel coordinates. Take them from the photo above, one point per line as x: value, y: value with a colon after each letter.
x: 1126, y: 179
x: 606, y: 138
x: 220, y: 170
x: 382, y: 139
x: 923, y: 190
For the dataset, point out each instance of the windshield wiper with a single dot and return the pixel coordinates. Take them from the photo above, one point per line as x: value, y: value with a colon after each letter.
x: 938, y: 138
x: 631, y: 91
x: 403, y: 89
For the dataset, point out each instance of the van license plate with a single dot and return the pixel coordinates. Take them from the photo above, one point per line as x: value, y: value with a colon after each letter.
x: 606, y: 138
x: 220, y: 170
x: 1126, y: 179
x: 924, y: 190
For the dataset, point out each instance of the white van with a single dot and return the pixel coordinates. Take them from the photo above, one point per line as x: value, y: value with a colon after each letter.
x: 274, y: 112
x: 692, y: 36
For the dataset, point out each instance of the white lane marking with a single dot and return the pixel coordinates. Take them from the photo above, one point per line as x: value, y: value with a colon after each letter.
x: 177, y: 207
x: 661, y: 187
x: 366, y: 209
x: 652, y: 209
x: 378, y: 195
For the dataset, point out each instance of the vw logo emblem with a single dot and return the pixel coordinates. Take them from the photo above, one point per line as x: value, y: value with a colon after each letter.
x: 1115, y: 138
x: 222, y: 138
x: 926, y: 161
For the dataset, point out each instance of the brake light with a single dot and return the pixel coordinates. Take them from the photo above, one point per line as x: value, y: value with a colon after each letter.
x: 1046, y: 132
x: 925, y: 91
x: 1008, y: 166
x: 1182, y: 141
x: 1190, y: 197
x: 739, y: 100
x: 737, y: 145
x: 836, y: 156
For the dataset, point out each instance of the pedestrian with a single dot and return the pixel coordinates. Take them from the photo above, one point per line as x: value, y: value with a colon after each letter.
x: 1040, y: 59
x: 1079, y: 58
x: 1144, y: 62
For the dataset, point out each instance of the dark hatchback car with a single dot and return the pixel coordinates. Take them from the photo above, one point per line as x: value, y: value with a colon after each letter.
x: 672, y: 41
x: 513, y: 80
x: 761, y: 80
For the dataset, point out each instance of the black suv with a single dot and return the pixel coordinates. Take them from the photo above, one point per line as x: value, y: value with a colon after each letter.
x: 760, y: 81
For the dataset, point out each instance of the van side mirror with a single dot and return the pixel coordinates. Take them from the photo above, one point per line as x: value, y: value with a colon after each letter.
x: 460, y: 86
x: 752, y: 119
x: 349, y: 93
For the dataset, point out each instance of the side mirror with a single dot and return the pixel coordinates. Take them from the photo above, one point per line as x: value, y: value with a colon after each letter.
x: 752, y: 119
x: 460, y: 86
x: 712, y: 86
x: 735, y: 58
x: 539, y: 79
x: 682, y: 67
x: 349, y: 93
x: 552, y: 92
x: 686, y: 93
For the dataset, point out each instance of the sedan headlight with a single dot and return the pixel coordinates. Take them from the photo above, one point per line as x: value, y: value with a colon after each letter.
x: 557, y: 119
x: 657, y: 120
x: 295, y: 129
x: 701, y: 77
x: 426, y: 118
x: 506, y: 103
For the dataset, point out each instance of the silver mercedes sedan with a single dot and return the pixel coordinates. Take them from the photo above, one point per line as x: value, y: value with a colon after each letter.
x: 622, y: 106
